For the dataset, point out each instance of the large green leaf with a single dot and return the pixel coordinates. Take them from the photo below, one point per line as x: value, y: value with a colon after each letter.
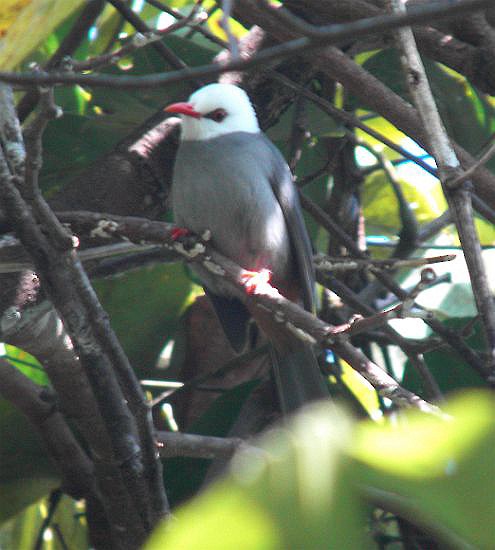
x: 97, y: 120
x: 128, y: 108
x: 440, y: 473
x: 144, y: 308
x: 296, y: 493
x: 381, y: 206
x: 34, y: 21
x: 468, y: 119
x: 306, y: 486
x: 26, y: 472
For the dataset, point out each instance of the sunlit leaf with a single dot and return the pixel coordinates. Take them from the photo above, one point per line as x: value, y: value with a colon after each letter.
x: 295, y: 493
x: 381, y: 207
x: 27, y: 364
x: 33, y: 22
x: 442, y: 470
x: 9, y: 12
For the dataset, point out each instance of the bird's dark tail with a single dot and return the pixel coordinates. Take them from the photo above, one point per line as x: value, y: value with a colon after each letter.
x: 296, y: 372
x: 297, y: 375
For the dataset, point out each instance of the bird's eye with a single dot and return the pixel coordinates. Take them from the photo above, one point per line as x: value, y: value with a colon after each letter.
x: 217, y: 115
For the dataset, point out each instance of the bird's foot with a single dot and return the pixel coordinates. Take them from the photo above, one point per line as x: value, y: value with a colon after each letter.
x: 256, y: 281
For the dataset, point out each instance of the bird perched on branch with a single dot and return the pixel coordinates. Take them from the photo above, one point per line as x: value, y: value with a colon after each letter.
x: 231, y: 180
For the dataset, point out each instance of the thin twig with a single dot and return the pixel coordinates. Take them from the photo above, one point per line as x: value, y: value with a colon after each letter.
x: 482, y: 208
x: 352, y: 121
x: 227, y: 6
x: 450, y: 336
x: 333, y: 34
x: 484, y: 158
x: 67, y: 47
x: 333, y: 265
x: 194, y: 27
x: 168, y: 55
x: 137, y: 41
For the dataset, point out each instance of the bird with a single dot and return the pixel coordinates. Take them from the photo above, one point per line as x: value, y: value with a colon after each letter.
x: 230, y: 180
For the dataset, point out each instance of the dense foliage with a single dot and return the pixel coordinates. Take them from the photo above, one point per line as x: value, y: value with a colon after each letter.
x: 359, y: 472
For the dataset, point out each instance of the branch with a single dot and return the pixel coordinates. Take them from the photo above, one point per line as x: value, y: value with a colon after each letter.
x: 332, y: 265
x: 448, y: 335
x: 140, y: 230
x: 174, y: 12
x: 137, y: 41
x: 298, y: 322
x: 353, y: 121
x: 449, y: 168
x: 72, y: 295
x: 484, y: 158
x: 336, y: 65
x: 449, y: 44
x: 69, y: 44
x: 331, y: 34
x: 173, y: 444
x: 166, y: 53
x: 225, y: 24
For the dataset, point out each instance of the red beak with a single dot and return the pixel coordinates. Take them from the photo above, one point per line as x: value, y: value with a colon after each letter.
x: 183, y: 109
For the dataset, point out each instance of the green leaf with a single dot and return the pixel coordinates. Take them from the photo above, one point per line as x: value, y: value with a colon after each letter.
x: 144, y: 308
x: 33, y: 22
x: 294, y: 493
x: 26, y: 472
x: 95, y: 122
x: 442, y: 472
x: 128, y: 108
x: 223, y: 518
x: 468, y: 120
x: 26, y: 363
x: 381, y: 207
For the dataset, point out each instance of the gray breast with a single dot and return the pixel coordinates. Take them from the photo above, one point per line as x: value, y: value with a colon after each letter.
x: 223, y: 185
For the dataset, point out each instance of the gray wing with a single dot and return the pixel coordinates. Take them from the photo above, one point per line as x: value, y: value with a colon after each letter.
x: 287, y: 196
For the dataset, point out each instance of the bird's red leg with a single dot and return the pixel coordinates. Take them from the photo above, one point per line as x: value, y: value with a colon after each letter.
x: 179, y: 232
x: 255, y: 281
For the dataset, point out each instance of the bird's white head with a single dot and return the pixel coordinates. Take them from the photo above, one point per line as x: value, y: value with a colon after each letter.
x: 215, y: 110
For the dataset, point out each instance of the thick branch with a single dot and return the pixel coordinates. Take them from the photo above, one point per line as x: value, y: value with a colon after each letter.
x: 298, y: 322
x: 66, y: 284
x: 199, y: 446
x: 331, y: 34
x: 450, y: 170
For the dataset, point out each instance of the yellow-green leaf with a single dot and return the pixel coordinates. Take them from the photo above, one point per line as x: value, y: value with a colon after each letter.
x: 24, y: 25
